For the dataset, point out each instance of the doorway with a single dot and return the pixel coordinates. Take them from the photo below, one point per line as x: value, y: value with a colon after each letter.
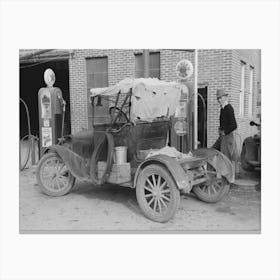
x: 31, y: 80
x: 202, y: 117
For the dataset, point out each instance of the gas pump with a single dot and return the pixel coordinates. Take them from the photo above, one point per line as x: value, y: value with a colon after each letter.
x: 184, y: 70
x: 51, y: 112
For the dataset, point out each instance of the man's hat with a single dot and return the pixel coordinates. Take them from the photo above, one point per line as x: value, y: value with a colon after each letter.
x: 221, y: 92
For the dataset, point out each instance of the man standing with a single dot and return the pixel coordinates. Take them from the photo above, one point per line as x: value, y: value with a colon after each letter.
x: 226, y: 141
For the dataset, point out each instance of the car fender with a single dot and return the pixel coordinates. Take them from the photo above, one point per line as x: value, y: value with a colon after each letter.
x: 181, y: 178
x: 218, y: 160
x: 250, y: 148
x: 75, y: 163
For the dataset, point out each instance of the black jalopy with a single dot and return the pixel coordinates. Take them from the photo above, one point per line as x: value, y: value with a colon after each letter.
x: 136, y: 114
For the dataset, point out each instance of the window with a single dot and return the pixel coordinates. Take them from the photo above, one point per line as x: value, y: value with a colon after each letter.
x: 251, y: 92
x: 97, y: 77
x: 97, y: 72
x: 242, y: 90
x: 154, y: 65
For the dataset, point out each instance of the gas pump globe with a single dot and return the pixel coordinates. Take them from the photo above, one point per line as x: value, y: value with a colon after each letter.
x: 51, y: 111
x: 184, y: 69
x: 49, y: 77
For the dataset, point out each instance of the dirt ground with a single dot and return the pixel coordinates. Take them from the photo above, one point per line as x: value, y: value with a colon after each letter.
x: 114, y: 209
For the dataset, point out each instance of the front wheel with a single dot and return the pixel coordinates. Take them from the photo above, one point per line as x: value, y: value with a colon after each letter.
x: 214, y: 189
x: 157, y: 193
x: 53, y: 176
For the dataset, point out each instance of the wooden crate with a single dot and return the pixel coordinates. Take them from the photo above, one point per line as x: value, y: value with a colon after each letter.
x: 120, y: 173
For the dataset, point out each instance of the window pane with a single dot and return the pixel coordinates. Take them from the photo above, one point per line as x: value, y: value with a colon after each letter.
x: 154, y: 60
x: 99, y: 80
x: 139, y: 74
x: 97, y: 64
x: 90, y: 81
x: 97, y: 72
x: 139, y: 62
x: 97, y: 76
x: 242, y: 90
x: 154, y: 73
x: 250, y: 99
x: 154, y: 65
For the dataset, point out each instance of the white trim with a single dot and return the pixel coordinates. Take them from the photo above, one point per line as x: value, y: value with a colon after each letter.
x: 251, y: 92
x: 242, y: 89
x: 195, y: 98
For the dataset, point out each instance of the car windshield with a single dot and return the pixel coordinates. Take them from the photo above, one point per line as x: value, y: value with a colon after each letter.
x: 109, y: 109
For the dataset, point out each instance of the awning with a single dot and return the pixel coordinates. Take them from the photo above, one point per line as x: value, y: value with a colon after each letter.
x: 36, y: 55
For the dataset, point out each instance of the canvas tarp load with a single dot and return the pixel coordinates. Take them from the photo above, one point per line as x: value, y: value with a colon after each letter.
x: 150, y: 99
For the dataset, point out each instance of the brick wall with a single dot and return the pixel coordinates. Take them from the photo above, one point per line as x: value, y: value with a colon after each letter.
x: 217, y: 68
x: 169, y: 60
x: 251, y: 58
x: 214, y: 70
x: 120, y: 65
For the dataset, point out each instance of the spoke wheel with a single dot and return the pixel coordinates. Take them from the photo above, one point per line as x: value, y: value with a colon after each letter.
x: 157, y: 193
x: 214, y: 188
x: 53, y: 176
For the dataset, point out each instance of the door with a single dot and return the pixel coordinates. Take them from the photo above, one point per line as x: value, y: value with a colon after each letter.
x: 202, y: 117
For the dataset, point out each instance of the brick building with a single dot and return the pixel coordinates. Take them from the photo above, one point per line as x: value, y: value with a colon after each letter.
x: 237, y: 71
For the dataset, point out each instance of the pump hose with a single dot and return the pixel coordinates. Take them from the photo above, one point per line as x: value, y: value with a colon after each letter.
x: 29, y: 136
x: 94, y: 159
x: 204, y: 115
x: 62, y: 123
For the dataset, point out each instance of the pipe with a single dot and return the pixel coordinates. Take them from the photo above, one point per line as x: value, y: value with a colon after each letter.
x: 195, y: 101
x: 55, y: 55
x: 34, y: 53
x: 146, y: 62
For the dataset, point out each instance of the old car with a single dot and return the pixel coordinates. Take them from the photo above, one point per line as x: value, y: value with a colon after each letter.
x: 251, y: 150
x: 128, y: 145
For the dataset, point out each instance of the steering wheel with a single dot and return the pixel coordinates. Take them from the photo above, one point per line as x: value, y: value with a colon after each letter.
x: 117, y: 113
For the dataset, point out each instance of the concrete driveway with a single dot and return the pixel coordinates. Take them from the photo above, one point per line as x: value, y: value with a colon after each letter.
x: 111, y: 209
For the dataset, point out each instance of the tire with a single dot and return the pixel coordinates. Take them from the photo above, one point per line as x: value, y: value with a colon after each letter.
x: 244, y: 164
x: 258, y: 187
x: 56, y: 181
x: 157, y: 193
x: 214, y: 189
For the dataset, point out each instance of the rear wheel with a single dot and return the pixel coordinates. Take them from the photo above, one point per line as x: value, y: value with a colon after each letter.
x: 157, y: 193
x: 214, y: 188
x: 53, y: 176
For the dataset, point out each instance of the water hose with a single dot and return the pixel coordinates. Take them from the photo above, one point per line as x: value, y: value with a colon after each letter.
x: 29, y: 136
x: 28, y: 116
x: 62, y: 125
x: 63, y: 105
